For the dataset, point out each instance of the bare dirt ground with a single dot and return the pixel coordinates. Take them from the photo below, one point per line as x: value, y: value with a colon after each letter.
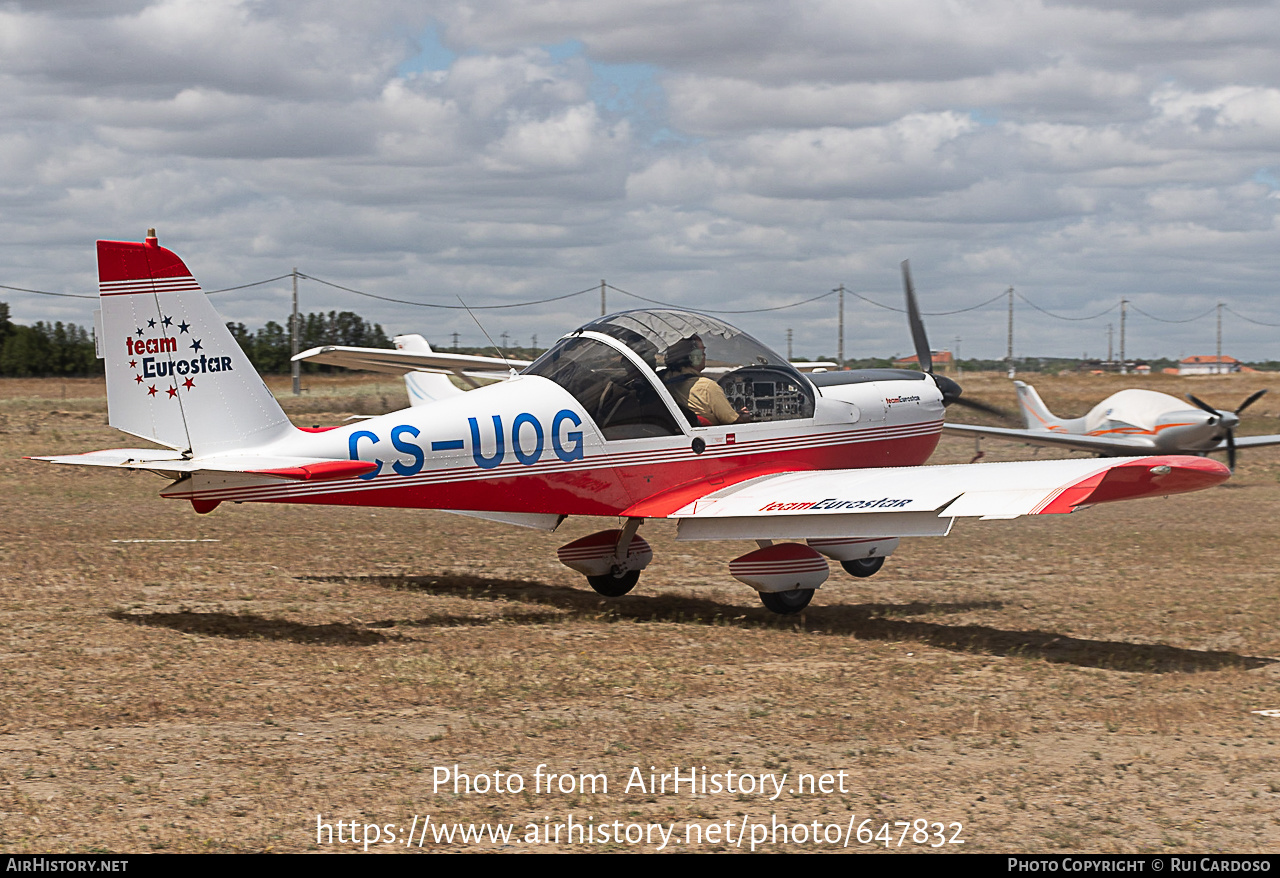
x: 1066, y: 683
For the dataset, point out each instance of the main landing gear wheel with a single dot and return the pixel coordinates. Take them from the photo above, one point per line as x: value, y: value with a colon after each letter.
x: 862, y: 566
x: 614, y: 585
x: 787, y: 603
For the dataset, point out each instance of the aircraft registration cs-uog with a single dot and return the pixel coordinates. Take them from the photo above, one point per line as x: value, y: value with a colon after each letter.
x: 829, y: 463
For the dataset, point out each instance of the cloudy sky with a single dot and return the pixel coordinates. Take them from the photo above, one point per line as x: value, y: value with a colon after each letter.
x: 722, y: 155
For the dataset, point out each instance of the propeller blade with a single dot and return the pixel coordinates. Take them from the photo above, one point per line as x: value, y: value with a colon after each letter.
x: 1231, y: 450
x: 1200, y: 403
x: 1251, y: 400
x: 918, y: 337
x: 985, y: 408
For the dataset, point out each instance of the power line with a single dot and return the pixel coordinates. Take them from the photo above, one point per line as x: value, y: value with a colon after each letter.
x: 652, y: 301
x: 46, y: 292
x: 256, y: 283
x: 1061, y: 317
x: 1248, y: 319
x: 591, y: 289
x: 1163, y: 320
x: 720, y: 311
x: 928, y: 313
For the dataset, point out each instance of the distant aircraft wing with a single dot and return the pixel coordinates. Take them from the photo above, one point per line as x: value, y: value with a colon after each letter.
x: 1250, y: 442
x: 1112, y: 445
x: 919, y: 501
x: 400, y: 362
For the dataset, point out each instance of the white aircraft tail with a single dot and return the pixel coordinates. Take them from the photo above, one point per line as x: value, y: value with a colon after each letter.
x: 175, y: 374
x: 1034, y: 411
x: 424, y: 387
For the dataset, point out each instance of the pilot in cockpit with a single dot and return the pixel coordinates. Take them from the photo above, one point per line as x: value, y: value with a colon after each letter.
x: 695, y: 393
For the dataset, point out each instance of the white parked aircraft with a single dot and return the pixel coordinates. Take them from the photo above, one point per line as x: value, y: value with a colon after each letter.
x: 600, y: 425
x: 1130, y: 422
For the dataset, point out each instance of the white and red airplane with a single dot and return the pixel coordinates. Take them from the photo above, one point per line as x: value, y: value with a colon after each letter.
x: 832, y: 460
x: 1130, y: 422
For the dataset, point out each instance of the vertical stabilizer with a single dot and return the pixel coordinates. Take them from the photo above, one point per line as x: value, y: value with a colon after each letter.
x: 424, y: 387
x: 1034, y: 411
x: 175, y: 374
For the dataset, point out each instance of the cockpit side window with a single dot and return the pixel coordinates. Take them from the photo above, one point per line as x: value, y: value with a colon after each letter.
x: 615, y: 394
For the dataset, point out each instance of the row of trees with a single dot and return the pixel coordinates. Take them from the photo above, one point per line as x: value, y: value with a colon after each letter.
x: 269, y: 349
x: 45, y: 348
x: 65, y: 349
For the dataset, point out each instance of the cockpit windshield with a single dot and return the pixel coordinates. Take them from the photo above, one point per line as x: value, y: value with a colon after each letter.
x: 714, y: 373
x: 653, y: 333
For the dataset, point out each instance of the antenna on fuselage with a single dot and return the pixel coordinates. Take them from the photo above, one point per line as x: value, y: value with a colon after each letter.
x: 501, y: 355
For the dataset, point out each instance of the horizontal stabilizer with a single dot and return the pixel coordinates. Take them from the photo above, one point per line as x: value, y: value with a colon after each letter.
x: 174, y: 465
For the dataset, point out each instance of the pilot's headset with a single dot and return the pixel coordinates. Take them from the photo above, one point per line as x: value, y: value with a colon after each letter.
x: 687, y: 350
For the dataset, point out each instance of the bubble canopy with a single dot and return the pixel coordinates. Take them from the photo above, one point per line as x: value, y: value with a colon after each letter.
x: 652, y: 332
x: 628, y: 402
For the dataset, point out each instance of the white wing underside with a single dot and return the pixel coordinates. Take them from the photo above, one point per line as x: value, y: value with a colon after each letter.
x: 872, y: 502
x: 905, y: 501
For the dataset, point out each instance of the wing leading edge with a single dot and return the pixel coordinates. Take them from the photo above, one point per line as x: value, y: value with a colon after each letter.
x: 1076, y: 441
x: 923, y: 501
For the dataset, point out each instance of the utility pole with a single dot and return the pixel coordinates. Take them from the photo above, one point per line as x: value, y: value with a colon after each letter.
x: 956, y: 358
x: 455, y: 341
x: 1012, y: 370
x: 1220, y: 367
x: 840, y: 336
x: 603, y: 309
x: 1109, y: 355
x: 504, y: 342
x: 293, y: 338
x: 789, y: 356
x: 1124, y: 312
x: 535, y: 343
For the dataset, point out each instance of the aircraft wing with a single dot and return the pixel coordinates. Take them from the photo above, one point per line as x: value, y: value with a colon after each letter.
x: 1250, y: 442
x: 1077, y: 441
x: 923, y: 500
x: 398, y: 362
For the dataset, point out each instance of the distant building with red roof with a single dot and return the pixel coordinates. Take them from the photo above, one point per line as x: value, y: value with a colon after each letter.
x: 941, y: 360
x: 1208, y: 365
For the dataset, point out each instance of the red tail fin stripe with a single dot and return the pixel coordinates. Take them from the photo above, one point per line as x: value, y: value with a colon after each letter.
x: 148, y: 285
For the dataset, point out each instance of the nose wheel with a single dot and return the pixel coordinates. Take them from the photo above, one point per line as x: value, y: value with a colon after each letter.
x: 787, y: 603
x: 862, y: 567
x: 614, y: 584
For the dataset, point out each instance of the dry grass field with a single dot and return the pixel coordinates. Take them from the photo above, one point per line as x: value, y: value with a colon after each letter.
x: 175, y: 682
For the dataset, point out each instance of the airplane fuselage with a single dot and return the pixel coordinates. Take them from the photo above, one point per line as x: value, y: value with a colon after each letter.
x: 527, y: 445
x: 1163, y: 422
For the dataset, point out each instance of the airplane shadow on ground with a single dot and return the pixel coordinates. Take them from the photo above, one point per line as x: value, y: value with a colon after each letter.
x: 517, y: 602
x: 252, y: 627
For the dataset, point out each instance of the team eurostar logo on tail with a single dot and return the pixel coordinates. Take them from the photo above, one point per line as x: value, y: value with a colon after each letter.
x: 169, y: 355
